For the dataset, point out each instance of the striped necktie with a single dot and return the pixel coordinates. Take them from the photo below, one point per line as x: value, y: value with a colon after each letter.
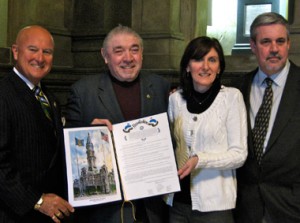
x: 262, y: 121
x: 40, y: 96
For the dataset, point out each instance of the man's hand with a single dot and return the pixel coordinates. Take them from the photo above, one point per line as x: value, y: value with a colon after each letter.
x: 188, y: 167
x: 98, y: 121
x: 55, y: 207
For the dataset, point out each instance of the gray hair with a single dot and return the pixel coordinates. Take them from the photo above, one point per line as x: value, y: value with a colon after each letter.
x: 120, y: 29
x: 268, y: 18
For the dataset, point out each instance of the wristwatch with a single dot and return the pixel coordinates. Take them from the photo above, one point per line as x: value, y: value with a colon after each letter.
x: 39, y: 203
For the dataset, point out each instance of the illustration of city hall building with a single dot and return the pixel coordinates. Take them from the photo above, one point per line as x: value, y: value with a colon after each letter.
x: 91, y: 180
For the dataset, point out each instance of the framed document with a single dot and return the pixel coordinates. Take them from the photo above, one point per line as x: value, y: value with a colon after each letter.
x: 251, y: 12
x: 246, y: 13
x: 137, y: 156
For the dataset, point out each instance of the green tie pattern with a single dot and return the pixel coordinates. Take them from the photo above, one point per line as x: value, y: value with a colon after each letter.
x: 40, y: 96
x: 262, y: 121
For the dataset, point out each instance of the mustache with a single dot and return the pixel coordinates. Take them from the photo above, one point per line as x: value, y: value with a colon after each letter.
x: 272, y: 55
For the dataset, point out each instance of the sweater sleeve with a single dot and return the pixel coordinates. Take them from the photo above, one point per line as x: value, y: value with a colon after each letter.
x: 236, y: 131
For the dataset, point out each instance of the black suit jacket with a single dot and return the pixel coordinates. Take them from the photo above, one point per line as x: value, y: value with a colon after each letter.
x: 275, y: 184
x: 31, y: 152
x: 94, y: 97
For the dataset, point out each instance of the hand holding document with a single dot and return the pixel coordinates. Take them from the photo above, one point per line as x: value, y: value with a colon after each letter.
x: 143, y: 151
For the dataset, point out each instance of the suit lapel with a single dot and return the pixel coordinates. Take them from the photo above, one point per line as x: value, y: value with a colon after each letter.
x: 56, y: 125
x: 27, y: 95
x: 287, y: 104
x: 108, y: 98
x: 285, y: 110
x: 31, y: 102
x: 147, y: 95
x: 55, y: 110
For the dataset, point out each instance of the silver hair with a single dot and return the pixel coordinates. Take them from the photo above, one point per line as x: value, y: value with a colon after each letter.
x: 268, y: 18
x: 119, y: 30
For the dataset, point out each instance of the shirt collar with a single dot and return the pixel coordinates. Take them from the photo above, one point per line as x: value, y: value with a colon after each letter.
x: 29, y: 84
x: 278, y: 78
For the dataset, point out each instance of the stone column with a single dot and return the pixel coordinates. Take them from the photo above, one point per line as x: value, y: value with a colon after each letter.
x: 92, y: 20
x: 295, y: 31
x: 166, y: 26
x: 5, y: 54
x: 54, y: 15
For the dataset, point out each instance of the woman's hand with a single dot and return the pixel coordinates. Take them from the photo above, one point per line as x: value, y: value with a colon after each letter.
x: 188, y: 167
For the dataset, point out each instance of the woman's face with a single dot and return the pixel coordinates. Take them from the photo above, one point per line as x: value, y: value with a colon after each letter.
x: 204, y: 71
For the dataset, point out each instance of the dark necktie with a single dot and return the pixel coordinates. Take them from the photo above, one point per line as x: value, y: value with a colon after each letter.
x: 40, y: 96
x: 262, y: 121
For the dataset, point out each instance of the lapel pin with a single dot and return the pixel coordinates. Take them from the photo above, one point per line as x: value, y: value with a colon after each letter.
x: 148, y: 96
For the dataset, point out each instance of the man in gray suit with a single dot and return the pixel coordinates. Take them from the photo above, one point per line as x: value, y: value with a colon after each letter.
x: 269, y: 182
x: 121, y: 93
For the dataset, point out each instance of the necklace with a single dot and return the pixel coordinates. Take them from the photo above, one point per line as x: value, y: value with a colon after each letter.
x: 203, y: 100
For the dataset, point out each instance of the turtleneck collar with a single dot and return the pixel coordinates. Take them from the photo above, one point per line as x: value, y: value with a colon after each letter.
x: 200, y: 102
x: 124, y: 83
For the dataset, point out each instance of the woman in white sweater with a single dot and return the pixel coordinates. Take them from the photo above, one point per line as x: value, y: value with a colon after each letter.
x: 208, y: 122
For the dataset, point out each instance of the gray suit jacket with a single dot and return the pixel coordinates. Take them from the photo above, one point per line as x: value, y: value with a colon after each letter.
x: 94, y: 97
x: 275, y: 184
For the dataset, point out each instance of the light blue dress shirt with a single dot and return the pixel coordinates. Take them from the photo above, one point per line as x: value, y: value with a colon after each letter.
x: 257, y: 92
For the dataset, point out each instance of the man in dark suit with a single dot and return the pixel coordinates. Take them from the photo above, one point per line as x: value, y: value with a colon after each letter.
x: 31, y: 144
x: 121, y: 93
x: 269, y: 182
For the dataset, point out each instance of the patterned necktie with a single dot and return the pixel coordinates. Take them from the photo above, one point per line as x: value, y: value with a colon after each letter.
x: 40, y: 96
x: 262, y: 121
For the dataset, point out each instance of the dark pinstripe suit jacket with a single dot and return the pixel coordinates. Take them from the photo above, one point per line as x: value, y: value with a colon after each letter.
x: 275, y: 184
x: 31, y: 152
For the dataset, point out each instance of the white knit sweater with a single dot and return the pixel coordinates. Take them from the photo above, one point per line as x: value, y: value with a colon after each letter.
x: 219, y: 137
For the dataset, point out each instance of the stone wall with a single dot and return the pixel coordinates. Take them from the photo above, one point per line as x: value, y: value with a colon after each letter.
x: 79, y: 27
